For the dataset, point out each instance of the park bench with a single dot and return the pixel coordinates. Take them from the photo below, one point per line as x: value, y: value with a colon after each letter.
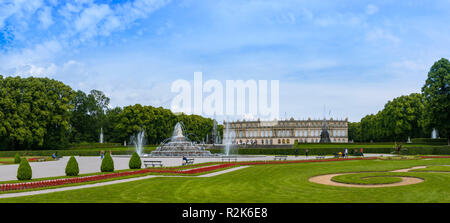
x: 153, y: 163
x: 229, y: 159
x: 280, y: 158
x: 320, y: 156
x: 188, y: 162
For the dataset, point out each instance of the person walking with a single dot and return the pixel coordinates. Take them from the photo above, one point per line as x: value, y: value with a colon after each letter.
x: 296, y: 152
x: 306, y: 152
x: 362, y: 154
x: 346, y: 153
x: 102, y: 153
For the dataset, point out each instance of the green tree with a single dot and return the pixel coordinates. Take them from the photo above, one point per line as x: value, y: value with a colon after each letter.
x: 88, y: 116
x: 401, y: 117
x: 107, y: 164
x: 24, y: 171
x: 135, y: 161
x: 72, y: 168
x: 437, y: 98
x: 34, y: 113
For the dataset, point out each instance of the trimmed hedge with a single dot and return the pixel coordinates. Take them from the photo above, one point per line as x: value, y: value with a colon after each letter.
x: 17, y: 158
x: 442, y: 150
x: 429, y: 141
x: 72, y: 168
x: 135, y: 161
x: 24, y: 171
x: 91, y: 152
x: 107, y: 164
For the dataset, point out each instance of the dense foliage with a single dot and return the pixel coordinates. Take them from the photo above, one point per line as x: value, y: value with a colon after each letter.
x: 135, y: 161
x: 17, y: 158
x: 41, y: 113
x: 34, y: 113
x: 411, y: 116
x: 72, y: 168
x: 401, y: 118
x: 436, y: 92
x: 107, y: 164
x: 24, y: 171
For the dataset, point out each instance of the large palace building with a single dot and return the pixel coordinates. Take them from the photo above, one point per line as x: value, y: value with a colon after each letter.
x: 287, y: 131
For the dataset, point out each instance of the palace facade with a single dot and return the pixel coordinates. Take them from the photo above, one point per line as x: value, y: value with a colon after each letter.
x: 286, y: 131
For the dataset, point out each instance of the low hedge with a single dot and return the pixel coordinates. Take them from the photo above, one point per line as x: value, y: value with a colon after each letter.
x: 91, y: 152
x: 429, y: 141
x: 329, y: 151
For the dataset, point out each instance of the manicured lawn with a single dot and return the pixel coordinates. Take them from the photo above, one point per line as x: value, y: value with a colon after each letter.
x: 370, y: 178
x: 267, y: 183
x: 435, y: 168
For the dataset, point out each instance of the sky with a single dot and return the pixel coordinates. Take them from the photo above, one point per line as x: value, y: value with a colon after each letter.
x: 332, y: 58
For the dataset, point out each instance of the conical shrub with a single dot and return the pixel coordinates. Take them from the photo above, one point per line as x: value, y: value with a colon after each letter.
x: 72, y: 167
x: 135, y: 161
x: 107, y: 164
x: 24, y: 171
x: 17, y: 158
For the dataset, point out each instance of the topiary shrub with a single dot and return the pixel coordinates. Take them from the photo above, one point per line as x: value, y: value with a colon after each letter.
x: 72, y: 167
x: 107, y: 164
x: 135, y: 161
x: 17, y: 158
x: 24, y: 172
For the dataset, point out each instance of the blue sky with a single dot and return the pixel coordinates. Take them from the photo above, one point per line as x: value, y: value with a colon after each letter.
x: 350, y: 56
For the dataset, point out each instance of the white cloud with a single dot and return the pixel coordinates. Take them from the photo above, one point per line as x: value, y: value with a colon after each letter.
x: 45, y: 17
x: 371, y: 9
x: 378, y: 34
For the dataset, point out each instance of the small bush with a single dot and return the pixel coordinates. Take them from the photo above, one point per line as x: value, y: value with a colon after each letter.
x: 107, y: 164
x: 72, y: 167
x: 17, y: 158
x: 135, y: 161
x: 24, y: 172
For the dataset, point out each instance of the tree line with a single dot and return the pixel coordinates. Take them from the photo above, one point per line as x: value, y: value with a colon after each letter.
x: 42, y: 113
x: 414, y: 115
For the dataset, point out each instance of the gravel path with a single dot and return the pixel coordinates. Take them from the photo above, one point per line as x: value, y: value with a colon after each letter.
x: 91, y: 164
x: 29, y: 193
x: 326, y: 180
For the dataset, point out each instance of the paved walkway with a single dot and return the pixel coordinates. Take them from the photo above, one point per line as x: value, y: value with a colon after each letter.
x: 89, y: 164
x: 29, y: 193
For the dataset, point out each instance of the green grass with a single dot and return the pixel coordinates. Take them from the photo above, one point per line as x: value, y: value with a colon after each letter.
x: 369, y: 178
x: 434, y: 168
x: 267, y: 183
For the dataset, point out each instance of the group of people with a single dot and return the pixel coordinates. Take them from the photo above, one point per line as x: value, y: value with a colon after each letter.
x: 342, y: 154
x: 345, y: 153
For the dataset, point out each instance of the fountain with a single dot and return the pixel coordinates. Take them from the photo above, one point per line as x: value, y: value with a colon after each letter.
x: 101, y: 135
x: 138, y: 141
x: 179, y: 145
x: 434, y: 134
x: 228, y: 140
